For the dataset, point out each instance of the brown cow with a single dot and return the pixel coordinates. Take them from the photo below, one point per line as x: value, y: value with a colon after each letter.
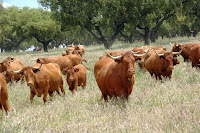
x: 3, y: 94
x: 76, y: 76
x: 175, y: 60
x: 186, y: 50
x: 195, y: 55
x: 14, y: 64
x: 62, y: 61
x: 160, y: 64
x: 43, y: 79
x: 114, y: 75
x: 144, y: 49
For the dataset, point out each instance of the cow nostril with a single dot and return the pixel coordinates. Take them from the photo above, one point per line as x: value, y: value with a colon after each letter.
x: 131, y: 72
x: 71, y: 79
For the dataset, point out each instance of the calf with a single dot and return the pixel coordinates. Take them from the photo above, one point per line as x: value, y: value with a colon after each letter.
x: 76, y: 76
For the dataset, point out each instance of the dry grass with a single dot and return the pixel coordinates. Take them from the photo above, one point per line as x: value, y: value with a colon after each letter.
x: 154, y: 106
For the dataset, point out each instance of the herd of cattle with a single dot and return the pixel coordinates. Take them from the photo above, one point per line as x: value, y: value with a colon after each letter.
x: 114, y: 72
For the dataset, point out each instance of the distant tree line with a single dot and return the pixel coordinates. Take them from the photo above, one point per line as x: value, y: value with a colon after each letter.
x: 97, y: 21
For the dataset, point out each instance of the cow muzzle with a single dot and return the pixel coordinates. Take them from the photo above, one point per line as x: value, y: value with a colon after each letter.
x: 71, y: 79
x: 31, y: 85
x: 170, y: 68
x: 131, y: 71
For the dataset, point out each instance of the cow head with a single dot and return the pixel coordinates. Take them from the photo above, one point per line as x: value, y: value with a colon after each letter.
x: 127, y: 61
x: 175, y: 60
x: 139, y: 55
x: 169, y: 59
x: 77, y: 47
x: 41, y: 60
x: 5, y: 66
x: 70, y: 71
x: 176, y: 47
x: 78, y: 52
x: 29, y: 72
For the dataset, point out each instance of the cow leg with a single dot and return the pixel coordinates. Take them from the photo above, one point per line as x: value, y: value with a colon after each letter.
x: 75, y: 87
x: 84, y: 83
x: 58, y: 92
x: 32, y: 94
x: 105, y: 97
x: 6, y: 106
x: 45, y: 95
x: 61, y: 87
x: 51, y: 95
x: 1, y: 106
x: 160, y: 77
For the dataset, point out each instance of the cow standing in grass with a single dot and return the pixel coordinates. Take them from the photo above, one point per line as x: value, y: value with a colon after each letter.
x: 76, y: 76
x: 195, y: 55
x: 14, y: 64
x: 115, y: 75
x: 160, y: 64
x: 185, y: 50
x: 43, y: 79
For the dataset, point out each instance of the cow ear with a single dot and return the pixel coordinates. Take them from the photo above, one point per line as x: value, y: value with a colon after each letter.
x: 64, y: 71
x: 38, y: 60
x: 76, y: 69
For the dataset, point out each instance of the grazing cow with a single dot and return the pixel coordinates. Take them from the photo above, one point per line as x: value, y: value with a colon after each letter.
x: 3, y: 94
x: 114, y: 75
x: 14, y: 64
x: 62, y: 61
x: 160, y: 64
x: 76, y: 76
x: 195, y: 55
x: 186, y: 49
x: 43, y: 79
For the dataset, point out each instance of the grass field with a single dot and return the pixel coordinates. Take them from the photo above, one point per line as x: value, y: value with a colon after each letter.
x: 153, y: 106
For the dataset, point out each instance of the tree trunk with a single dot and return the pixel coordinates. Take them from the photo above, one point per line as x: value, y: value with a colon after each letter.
x: 45, y: 46
x: 153, y: 37
x: 195, y: 33
x: 107, y: 43
x: 147, y: 36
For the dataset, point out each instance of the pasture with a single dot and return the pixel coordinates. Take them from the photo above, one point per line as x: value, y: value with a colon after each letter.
x: 153, y: 106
